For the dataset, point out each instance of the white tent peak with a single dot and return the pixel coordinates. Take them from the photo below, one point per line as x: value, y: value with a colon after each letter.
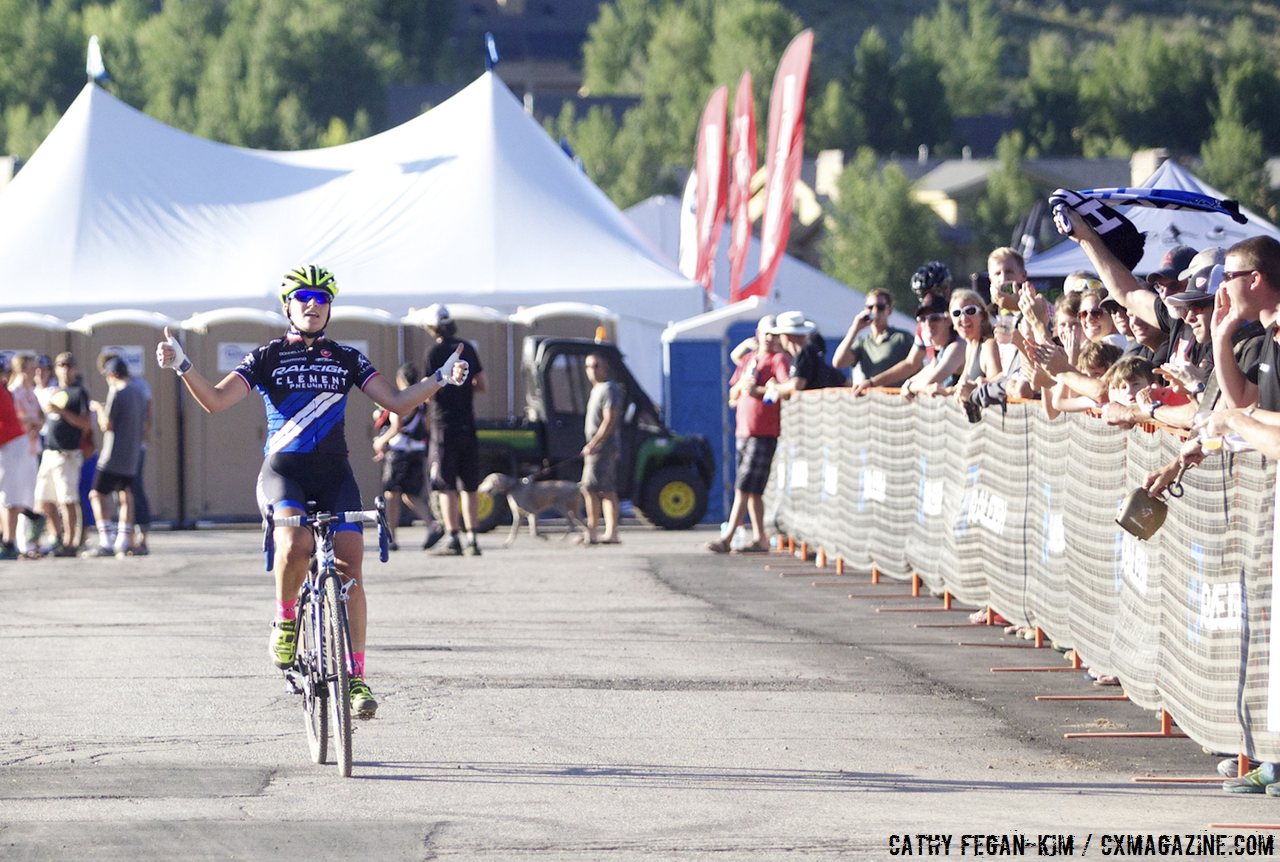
x: 470, y: 202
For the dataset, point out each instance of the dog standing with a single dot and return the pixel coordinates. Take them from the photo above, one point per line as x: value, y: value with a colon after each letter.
x: 530, y: 499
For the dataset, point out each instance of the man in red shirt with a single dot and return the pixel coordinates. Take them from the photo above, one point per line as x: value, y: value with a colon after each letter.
x: 752, y: 390
x: 13, y: 446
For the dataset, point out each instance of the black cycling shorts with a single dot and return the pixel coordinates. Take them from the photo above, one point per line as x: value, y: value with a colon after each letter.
x: 293, y: 479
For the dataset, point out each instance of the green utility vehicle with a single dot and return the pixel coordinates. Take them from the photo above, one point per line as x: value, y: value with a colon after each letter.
x: 665, y: 475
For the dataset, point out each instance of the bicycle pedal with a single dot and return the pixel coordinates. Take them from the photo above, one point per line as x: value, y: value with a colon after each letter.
x: 291, y: 683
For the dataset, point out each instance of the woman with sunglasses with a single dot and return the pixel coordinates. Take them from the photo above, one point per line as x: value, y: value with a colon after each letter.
x: 1096, y: 320
x: 981, y: 353
x: 944, y: 351
x: 303, y: 378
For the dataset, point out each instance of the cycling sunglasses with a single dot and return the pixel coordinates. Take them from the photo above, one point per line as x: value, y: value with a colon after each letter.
x: 305, y: 296
x: 968, y: 311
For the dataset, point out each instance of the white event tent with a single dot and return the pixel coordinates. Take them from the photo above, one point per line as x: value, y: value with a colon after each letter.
x: 470, y: 202
x: 1164, y: 228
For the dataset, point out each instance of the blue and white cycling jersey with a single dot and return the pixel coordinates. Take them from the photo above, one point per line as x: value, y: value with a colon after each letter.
x: 305, y: 391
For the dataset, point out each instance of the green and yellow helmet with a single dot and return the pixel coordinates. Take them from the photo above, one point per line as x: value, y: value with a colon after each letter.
x: 308, y: 277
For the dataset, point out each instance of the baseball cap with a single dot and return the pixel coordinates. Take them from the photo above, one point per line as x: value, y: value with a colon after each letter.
x: 436, y: 314
x: 932, y: 304
x: 1175, y: 260
x: 1201, y: 286
x: 1211, y: 256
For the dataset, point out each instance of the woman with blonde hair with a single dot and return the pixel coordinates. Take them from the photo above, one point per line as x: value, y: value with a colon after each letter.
x: 981, y: 353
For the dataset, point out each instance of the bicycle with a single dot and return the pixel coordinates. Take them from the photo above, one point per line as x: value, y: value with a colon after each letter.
x: 321, y: 672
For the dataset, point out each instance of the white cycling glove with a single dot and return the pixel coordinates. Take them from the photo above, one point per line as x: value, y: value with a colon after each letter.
x: 178, y: 361
x: 444, y: 374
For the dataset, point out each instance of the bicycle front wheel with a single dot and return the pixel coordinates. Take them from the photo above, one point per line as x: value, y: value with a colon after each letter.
x: 315, y: 711
x: 335, y: 649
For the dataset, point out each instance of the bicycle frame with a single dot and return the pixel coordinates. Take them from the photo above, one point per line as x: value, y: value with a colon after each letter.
x: 321, y: 672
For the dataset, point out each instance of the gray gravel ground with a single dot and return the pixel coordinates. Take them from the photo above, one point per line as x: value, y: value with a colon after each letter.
x: 644, y: 701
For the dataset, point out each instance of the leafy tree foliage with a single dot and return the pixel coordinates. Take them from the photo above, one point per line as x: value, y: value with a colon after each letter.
x: 877, y: 233
x: 1008, y: 196
x: 1235, y: 164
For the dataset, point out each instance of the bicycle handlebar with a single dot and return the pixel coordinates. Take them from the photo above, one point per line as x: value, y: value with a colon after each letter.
x: 376, y: 515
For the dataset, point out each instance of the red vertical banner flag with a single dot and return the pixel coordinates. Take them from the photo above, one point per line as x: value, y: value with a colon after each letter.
x: 742, y: 155
x: 711, y: 166
x: 783, y: 160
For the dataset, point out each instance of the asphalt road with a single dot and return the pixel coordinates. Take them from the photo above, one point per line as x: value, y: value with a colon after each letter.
x: 644, y: 701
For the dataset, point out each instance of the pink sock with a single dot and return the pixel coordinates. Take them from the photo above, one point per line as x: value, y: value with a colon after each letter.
x: 287, y: 610
x: 357, y: 664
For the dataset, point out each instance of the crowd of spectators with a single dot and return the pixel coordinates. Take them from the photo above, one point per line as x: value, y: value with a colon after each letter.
x: 1192, y: 345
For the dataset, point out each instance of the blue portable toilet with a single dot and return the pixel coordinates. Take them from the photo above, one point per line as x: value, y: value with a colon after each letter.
x: 696, y: 371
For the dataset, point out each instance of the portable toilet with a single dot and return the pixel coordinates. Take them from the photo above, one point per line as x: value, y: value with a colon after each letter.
x: 27, y: 332
x: 563, y: 320
x: 223, y: 452
x: 489, y: 332
x: 376, y: 334
x: 132, y: 334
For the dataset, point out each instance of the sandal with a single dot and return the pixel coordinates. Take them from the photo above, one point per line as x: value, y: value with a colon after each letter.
x: 754, y: 548
x: 719, y: 547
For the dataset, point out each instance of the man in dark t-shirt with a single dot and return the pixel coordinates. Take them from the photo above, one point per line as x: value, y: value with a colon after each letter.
x: 57, y: 492
x: 455, y: 450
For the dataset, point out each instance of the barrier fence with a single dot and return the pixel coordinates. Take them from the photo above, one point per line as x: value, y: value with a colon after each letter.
x: 1017, y: 512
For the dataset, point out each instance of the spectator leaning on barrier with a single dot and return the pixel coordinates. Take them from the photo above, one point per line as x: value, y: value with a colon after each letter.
x: 1007, y: 272
x: 932, y: 279
x: 753, y: 391
x: 1171, y: 276
x: 803, y: 343
x: 1096, y: 321
x: 1250, y: 290
x: 871, y: 345
x: 944, y: 351
x: 981, y: 354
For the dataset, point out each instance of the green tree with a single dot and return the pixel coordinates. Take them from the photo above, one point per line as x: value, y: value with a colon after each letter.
x: 614, y: 57
x: 1049, y: 103
x: 919, y: 102
x: 877, y: 233
x: 1249, y: 95
x: 832, y: 122
x: 968, y: 46
x: 173, y: 48
x: 1008, y: 196
x: 1236, y: 164
x: 876, y: 118
x: 1148, y: 88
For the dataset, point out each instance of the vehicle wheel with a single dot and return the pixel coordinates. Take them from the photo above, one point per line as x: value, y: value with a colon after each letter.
x: 673, y: 498
x: 491, y: 512
x: 315, y: 708
x: 335, y: 662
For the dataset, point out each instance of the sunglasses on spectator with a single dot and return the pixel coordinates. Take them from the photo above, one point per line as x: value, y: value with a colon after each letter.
x: 1093, y: 312
x: 1235, y: 273
x: 934, y: 318
x: 876, y: 306
x: 968, y: 311
x: 305, y: 296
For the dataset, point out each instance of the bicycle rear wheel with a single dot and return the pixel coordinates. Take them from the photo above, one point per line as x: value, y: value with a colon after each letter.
x: 315, y: 711
x: 335, y: 649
